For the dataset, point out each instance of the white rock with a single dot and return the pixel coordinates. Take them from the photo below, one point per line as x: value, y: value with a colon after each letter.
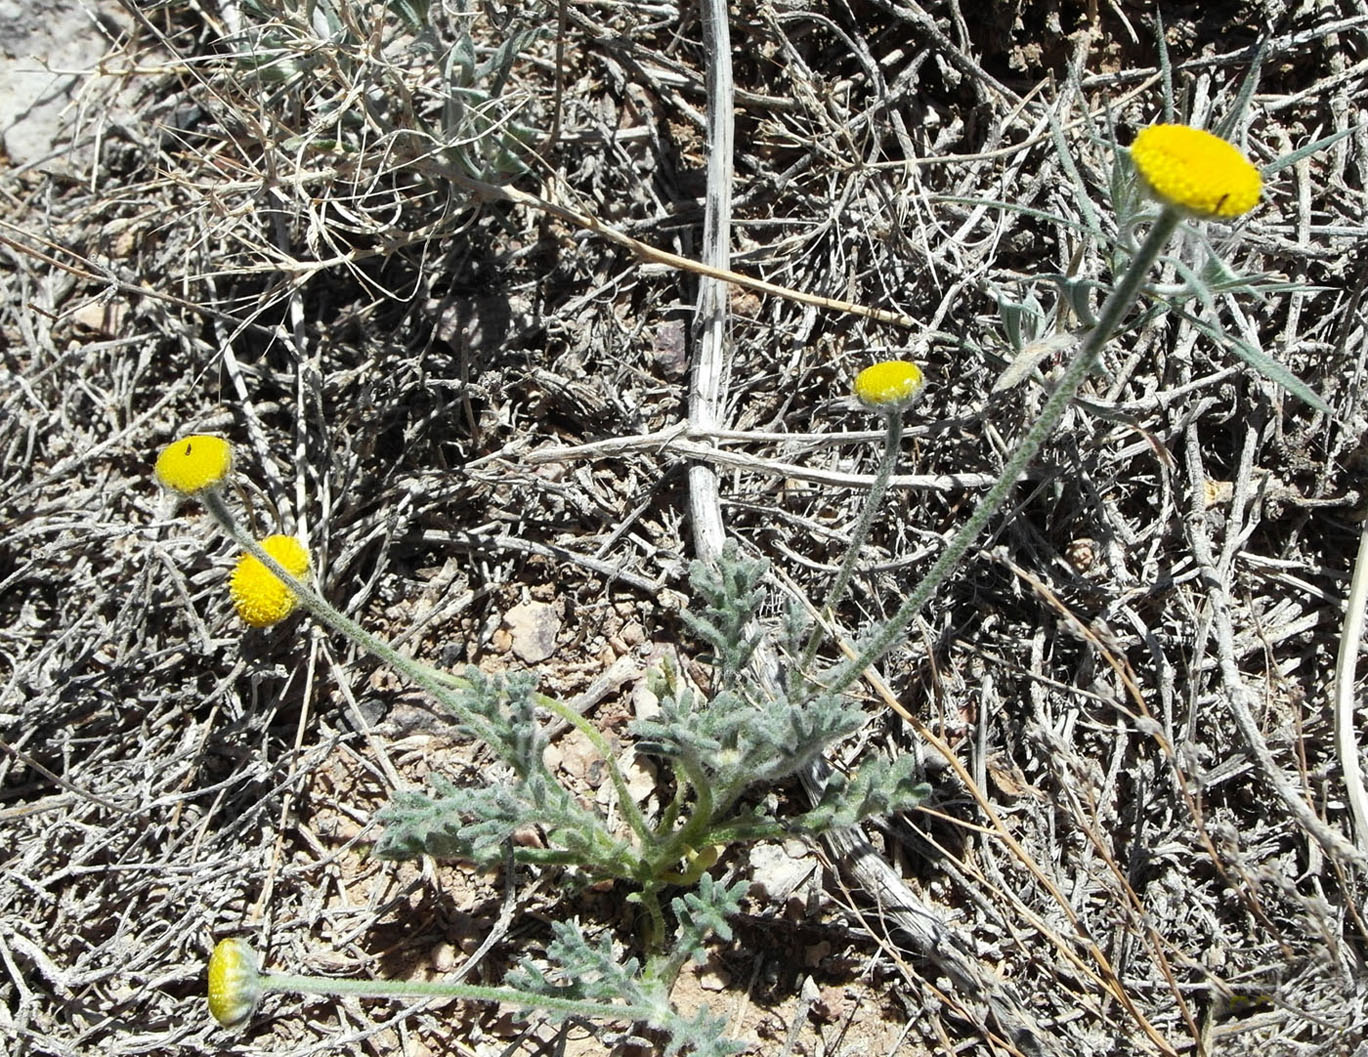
x: 533, y: 627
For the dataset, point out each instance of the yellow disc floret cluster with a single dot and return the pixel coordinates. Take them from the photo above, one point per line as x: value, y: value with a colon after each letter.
x: 193, y: 463
x: 888, y: 386
x: 1196, y: 171
x: 259, y: 596
x: 234, y: 982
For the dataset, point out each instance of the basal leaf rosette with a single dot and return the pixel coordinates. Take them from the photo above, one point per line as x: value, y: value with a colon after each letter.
x: 889, y: 386
x: 194, y: 463
x: 1195, y: 171
x: 259, y: 596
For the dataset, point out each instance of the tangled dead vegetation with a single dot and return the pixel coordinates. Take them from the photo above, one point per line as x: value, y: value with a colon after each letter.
x: 422, y: 266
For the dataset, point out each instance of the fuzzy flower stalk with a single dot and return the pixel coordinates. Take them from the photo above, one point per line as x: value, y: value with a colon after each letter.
x: 237, y: 985
x: 1190, y: 173
x: 269, y: 582
x: 888, y: 388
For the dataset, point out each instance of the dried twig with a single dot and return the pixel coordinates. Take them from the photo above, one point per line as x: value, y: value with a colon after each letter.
x: 1237, y: 694
x: 1346, y: 745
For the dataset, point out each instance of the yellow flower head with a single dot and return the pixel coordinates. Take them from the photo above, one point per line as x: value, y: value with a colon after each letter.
x: 259, y: 596
x: 888, y: 386
x: 234, y: 982
x: 1196, y: 171
x: 193, y: 463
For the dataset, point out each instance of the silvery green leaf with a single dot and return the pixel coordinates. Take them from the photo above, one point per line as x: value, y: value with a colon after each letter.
x: 1032, y: 355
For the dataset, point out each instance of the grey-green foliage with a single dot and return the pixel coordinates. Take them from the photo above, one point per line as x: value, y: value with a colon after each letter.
x: 581, y: 969
x: 731, y: 594
x: 748, y: 733
x: 502, y: 713
x: 743, y: 733
x: 878, y: 787
x: 734, y: 740
x: 744, y: 736
x: 475, y: 823
x: 703, y: 913
x: 700, y: 1035
x: 319, y: 58
x: 757, y: 732
x: 479, y: 125
x: 1205, y: 274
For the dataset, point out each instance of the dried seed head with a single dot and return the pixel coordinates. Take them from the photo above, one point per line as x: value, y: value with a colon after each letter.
x: 888, y: 386
x: 259, y: 596
x: 1199, y: 173
x: 194, y: 463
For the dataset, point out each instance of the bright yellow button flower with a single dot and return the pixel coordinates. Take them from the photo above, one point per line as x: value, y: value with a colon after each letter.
x: 259, y: 596
x: 888, y: 386
x: 193, y: 463
x: 1196, y: 171
x: 234, y: 982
